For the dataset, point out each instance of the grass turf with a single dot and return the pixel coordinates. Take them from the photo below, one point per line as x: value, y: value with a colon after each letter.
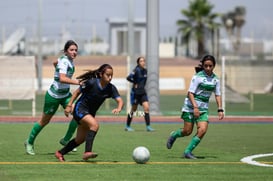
x: 169, y: 105
x: 220, y: 152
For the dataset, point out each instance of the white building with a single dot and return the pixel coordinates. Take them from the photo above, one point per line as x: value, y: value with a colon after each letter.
x: 118, y: 36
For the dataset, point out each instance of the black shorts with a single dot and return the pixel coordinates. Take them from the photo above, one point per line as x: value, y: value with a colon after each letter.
x: 79, y: 112
x: 138, y: 98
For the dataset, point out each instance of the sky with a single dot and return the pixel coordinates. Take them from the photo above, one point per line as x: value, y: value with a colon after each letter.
x: 84, y: 17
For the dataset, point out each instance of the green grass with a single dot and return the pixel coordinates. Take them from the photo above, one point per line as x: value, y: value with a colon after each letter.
x: 220, y: 152
x: 169, y: 105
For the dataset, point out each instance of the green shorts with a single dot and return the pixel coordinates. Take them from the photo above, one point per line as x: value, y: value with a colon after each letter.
x: 51, y: 104
x: 188, y: 117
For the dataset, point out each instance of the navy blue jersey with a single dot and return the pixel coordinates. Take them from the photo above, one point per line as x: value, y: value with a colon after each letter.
x: 138, y: 77
x: 92, y: 96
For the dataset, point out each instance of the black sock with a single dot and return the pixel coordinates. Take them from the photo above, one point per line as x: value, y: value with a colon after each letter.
x: 129, y: 118
x: 69, y: 147
x: 89, y: 140
x: 147, y: 118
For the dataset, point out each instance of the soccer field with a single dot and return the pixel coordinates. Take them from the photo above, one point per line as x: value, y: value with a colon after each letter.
x: 219, y: 154
x: 170, y: 105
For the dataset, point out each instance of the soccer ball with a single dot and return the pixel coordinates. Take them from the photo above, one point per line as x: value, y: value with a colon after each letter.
x: 141, y: 154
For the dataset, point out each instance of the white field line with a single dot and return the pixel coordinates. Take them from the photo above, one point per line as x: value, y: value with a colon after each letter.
x: 249, y: 160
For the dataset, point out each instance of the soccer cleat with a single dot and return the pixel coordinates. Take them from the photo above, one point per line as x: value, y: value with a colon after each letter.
x: 170, y: 141
x: 59, y: 156
x: 149, y: 128
x: 189, y: 156
x: 128, y: 128
x: 29, y: 148
x: 64, y: 143
x: 88, y: 155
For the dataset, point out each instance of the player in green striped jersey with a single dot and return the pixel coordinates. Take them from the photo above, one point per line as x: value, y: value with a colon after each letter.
x: 57, y: 94
x: 195, y: 109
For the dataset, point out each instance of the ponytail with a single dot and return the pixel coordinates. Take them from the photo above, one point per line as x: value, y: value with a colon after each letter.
x: 90, y: 74
x: 198, y: 68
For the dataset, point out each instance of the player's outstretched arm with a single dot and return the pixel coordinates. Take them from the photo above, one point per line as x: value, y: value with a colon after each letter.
x: 119, y: 106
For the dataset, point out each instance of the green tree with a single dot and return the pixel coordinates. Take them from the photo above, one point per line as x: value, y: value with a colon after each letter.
x: 199, y: 22
x: 233, y: 21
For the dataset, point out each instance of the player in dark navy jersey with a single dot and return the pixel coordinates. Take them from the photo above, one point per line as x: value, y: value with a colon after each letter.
x: 93, y: 95
x: 138, y: 94
x: 96, y: 87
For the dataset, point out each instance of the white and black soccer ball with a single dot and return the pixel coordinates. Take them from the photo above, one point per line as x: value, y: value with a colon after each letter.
x: 141, y: 154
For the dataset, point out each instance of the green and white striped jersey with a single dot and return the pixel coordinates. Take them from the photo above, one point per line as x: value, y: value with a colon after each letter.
x: 65, y: 66
x: 202, y: 87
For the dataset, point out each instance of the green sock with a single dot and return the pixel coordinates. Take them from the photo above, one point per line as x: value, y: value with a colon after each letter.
x: 194, y: 142
x: 34, y: 132
x: 71, y: 130
x: 177, y: 133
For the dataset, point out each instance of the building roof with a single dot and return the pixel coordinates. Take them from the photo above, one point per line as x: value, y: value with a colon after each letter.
x: 124, y: 20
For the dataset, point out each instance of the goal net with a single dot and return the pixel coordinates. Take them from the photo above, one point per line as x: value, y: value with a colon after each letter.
x: 17, y: 79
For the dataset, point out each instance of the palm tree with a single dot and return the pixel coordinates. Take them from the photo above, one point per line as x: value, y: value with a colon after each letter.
x: 233, y: 21
x: 199, y: 22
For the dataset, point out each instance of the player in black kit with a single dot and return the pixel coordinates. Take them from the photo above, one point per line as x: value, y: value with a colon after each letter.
x: 95, y: 88
x: 138, y: 94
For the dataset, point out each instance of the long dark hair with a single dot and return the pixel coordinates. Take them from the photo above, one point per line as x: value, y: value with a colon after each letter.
x: 202, y: 61
x: 90, y: 74
x: 138, y: 60
x: 68, y: 44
